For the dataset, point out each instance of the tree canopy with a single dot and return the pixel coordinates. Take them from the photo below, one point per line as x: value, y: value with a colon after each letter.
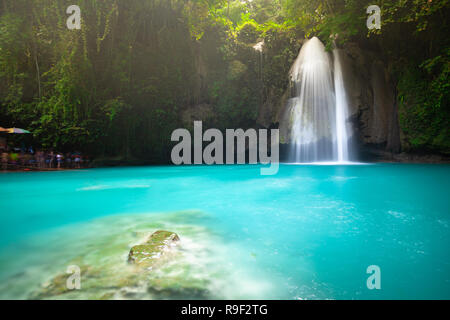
x: 127, y: 79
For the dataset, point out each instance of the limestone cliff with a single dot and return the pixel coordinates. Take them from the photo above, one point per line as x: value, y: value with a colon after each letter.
x: 372, y: 99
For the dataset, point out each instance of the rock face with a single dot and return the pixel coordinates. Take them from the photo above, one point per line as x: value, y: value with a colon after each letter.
x: 372, y: 99
x: 148, y: 254
x: 201, y: 112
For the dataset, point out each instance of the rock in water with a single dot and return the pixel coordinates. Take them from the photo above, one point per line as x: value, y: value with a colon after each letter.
x: 147, y: 254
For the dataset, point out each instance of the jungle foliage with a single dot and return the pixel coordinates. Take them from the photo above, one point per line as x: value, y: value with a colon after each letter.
x: 121, y: 84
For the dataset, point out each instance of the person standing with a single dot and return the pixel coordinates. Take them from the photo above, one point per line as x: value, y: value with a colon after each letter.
x: 77, y: 161
x: 59, y: 159
x: 14, y: 157
x: 49, y: 159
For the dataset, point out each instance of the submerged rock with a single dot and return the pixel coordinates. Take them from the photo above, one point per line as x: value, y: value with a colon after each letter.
x: 156, y: 269
x: 57, y: 285
x: 179, y: 292
x: 147, y: 254
x: 176, y: 282
x: 108, y: 296
x: 169, y: 277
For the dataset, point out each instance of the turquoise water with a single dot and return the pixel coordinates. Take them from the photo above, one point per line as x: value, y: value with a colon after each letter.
x: 309, y: 232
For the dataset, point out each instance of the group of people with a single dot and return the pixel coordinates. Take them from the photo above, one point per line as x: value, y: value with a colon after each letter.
x: 17, y: 158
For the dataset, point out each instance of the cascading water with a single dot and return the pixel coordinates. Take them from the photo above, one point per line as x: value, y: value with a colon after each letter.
x: 341, y: 110
x: 317, y: 111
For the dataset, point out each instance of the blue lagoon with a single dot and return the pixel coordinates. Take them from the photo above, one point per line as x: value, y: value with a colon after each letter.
x: 309, y: 232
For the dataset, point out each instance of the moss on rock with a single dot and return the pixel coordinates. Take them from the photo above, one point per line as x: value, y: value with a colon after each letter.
x: 147, y: 254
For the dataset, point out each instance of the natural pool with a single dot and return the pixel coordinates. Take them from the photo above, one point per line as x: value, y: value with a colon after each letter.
x: 309, y: 232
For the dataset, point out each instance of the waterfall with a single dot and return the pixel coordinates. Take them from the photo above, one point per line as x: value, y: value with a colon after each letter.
x: 317, y: 109
x: 341, y: 109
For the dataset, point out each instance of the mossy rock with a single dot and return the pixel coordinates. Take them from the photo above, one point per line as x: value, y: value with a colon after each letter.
x: 148, y: 254
x: 58, y: 285
x: 131, y: 280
